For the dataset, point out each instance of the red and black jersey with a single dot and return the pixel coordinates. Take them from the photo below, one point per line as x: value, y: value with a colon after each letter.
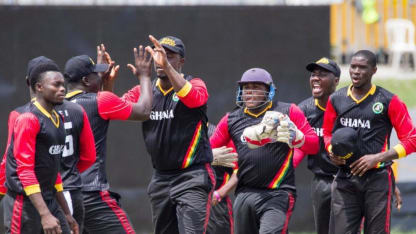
x: 79, y: 152
x: 373, y: 117
x: 10, y: 124
x: 270, y: 166
x: 176, y: 133
x: 34, y: 154
x: 319, y: 163
x: 100, y: 107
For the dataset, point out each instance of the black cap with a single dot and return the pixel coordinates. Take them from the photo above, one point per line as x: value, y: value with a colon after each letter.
x: 36, y: 62
x: 80, y: 66
x: 173, y: 44
x: 326, y: 64
x: 343, y: 142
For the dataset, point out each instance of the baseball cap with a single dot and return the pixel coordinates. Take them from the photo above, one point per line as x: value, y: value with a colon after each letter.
x: 343, y: 142
x: 326, y: 64
x: 256, y: 75
x: 82, y: 65
x: 173, y: 44
x: 36, y: 62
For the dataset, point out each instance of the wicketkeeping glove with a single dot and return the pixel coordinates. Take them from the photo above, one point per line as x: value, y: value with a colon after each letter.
x: 288, y: 133
x: 264, y: 132
x: 224, y: 157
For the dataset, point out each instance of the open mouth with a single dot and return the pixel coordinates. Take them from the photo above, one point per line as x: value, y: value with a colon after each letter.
x: 316, y: 87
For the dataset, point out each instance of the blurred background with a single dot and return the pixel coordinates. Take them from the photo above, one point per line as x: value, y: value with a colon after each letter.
x: 223, y: 39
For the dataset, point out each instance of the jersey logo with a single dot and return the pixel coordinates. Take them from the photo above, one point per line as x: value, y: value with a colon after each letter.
x: 56, y: 149
x: 161, y: 115
x: 378, y: 107
x: 319, y: 131
x: 175, y: 97
x: 243, y: 139
x: 355, y: 123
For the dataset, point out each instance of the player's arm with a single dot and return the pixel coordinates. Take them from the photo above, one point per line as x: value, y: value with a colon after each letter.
x: 298, y: 156
x: 225, y: 190
x: 87, y: 153
x: 10, y: 124
x: 221, y: 136
x: 311, y: 141
x: 406, y: 132
x: 25, y: 131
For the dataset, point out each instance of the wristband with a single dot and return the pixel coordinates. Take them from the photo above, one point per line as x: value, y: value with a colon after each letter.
x: 217, y: 196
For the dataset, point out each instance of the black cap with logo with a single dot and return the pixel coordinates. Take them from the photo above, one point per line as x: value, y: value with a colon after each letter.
x: 343, y: 142
x: 173, y: 44
x: 326, y: 64
x: 80, y: 66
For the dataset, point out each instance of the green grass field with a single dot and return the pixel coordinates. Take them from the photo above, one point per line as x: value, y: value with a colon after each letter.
x: 405, y: 89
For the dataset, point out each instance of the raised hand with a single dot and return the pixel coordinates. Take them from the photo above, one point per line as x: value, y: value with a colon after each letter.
x: 158, y: 53
x: 142, y: 63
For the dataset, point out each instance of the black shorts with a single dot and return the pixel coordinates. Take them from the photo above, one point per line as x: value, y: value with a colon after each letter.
x: 20, y: 216
x: 369, y: 196
x: 103, y: 214
x: 221, y: 218
x: 181, y: 201
x: 321, y: 202
x: 263, y: 211
x: 77, y: 206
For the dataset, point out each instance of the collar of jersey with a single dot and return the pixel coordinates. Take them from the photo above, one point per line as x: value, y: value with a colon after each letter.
x: 370, y: 92
x: 73, y: 93
x: 47, y: 114
x: 319, y: 106
x: 247, y: 111
x: 164, y: 92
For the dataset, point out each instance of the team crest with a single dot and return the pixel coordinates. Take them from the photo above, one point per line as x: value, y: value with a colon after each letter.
x: 378, y: 107
x: 175, y: 97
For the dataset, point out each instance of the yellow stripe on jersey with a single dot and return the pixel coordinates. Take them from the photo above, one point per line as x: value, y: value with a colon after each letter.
x: 282, y: 171
x: 190, y: 153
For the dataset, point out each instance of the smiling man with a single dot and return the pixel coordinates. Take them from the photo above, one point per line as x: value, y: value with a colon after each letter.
x: 323, y: 80
x: 364, y: 183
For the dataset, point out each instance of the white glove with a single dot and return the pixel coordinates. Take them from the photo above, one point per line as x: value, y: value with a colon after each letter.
x: 288, y: 133
x: 264, y: 132
x: 224, y: 157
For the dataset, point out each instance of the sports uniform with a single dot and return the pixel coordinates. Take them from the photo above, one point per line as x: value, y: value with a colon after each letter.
x: 323, y: 169
x: 370, y: 195
x: 103, y: 213
x: 221, y: 215
x: 32, y: 166
x: 265, y: 194
x: 176, y: 139
x: 78, y: 155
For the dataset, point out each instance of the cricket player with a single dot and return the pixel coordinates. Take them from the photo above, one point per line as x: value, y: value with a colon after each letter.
x: 264, y: 132
x: 364, y: 183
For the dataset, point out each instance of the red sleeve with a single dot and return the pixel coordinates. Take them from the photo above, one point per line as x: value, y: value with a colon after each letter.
x: 298, y: 156
x: 58, y: 183
x: 10, y: 124
x: 311, y: 145
x: 132, y: 95
x: 221, y: 136
x: 112, y: 107
x: 25, y: 131
x: 194, y: 93
x: 329, y: 120
x: 87, y: 154
x: 402, y: 123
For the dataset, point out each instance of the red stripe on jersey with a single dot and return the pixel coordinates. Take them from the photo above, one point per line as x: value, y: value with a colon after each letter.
x: 329, y: 120
x: 110, y: 106
x: 190, y: 153
x: 388, y: 208
x: 230, y: 214
x: 122, y: 217
x: 87, y: 153
x: 288, y: 213
x: 16, y: 224
x: 208, y: 207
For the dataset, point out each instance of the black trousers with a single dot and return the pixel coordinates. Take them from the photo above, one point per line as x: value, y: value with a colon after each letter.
x: 263, y: 211
x: 103, y: 214
x: 181, y: 201
x: 369, y: 196
x: 20, y: 216
x: 321, y: 202
x: 221, y: 218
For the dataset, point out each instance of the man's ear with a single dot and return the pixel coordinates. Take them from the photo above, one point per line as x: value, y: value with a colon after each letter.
x: 38, y: 87
x: 85, y: 81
